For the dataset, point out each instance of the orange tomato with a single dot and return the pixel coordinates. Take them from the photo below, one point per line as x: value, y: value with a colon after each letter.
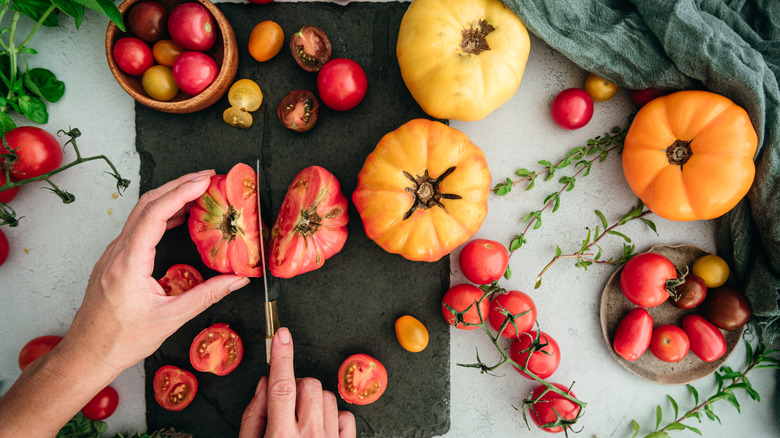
x: 165, y: 52
x: 266, y: 40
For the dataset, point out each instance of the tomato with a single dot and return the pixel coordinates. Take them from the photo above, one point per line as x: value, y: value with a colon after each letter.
x: 600, y: 89
x: 508, y: 303
x: 132, y: 56
x: 648, y: 279
x: 633, y: 334
x: 670, y: 343
x: 8, y: 195
x: 194, y: 72
x: 217, y: 349
x: 174, y: 388
x: 237, y: 118
x: 310, y: 48
x: 165, y: 52
x: 707, y: 342
x: 311, y: 226
x: 37, y: 347
x: 468, y: 300
x: 546, y: 408
x: 179, y: 279
x: 538, y: 352
x: 689, y: 294
x: 266, y: 40
x: 246, y: 95
x: 159, y: 84
x: 148, y: 20
x: 411, y: 333
x: 727, y: 308
x: 341, y: 84
x: 712, y: 269
x: 5, y: 249
x: 223, y: 223
x: 298, y: 111
x: 645, y: 95
x: 192, y: 27
x: 483, y: 261
x: 37, y: 151
x: 572, y: 108
x: 362, y: 379
x: 102, y: 405
x: 423, y: 191
x: 689, y: 155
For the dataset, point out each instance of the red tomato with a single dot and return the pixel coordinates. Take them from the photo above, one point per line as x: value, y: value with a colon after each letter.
x: 362, y: 379
x: 670, y: 343
x: 515, y: 303
x: 310, y: 48
x: 132, y: 56
x: 549, y: 406
x: 299, y: 110
x: 572, y: 108
x: 707, y: 342
x: 311, y: 225
x: 727, y: 308
x: 469, y: 300
x: 102, y: 405
x: 7, y: 196
x: 689, y: 294
x: 193, y: 72
x: 483, y: 261
x: 148, y: 20
x: 37, y: 151
x: 341, y: 84
x: 223, y: 223
x: 179, y: 279
x: 217, y: 350
x: 648, y: 279
x: 192, y: 27
x: 5, y: 249
x: 633, y: 334
x: 174, y: 388
x: 37, y: 347
x: 538, y: 352
x: 643, y: 96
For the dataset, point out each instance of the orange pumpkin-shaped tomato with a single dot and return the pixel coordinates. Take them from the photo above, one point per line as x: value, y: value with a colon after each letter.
x: 689, y: 155
x: 423, y: 191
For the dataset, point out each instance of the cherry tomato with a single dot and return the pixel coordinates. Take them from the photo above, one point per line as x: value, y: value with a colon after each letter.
x: 538, y: 352
x: 174, y: 388
x: 550, y: 406
x: 5, y: 249
x: 245, y: 94
x: 266, y: 40
x: 411, y: 333
x: 362, y: 379
x: 647, y: 278
x: 707, y: 342
x: 727, y: 308
x: 165, y: 52
x: 633, y: 334
x: 468, y: 299
x: 572, y: 108
x: 132, y: 56
x: 159, y: 84
x: 217, y: 349
x: 192, y: 27
x: 311, y: 48
x: 179, y: 279
x: 148, y: 20
x: 712, y: 269
x: 102, y: 405
x: 670, y: 343
x: 515, y: 303
x: 645, y: 95
x: 37, y: 151
x: 600, y: 89
x: 194, y: 72
x: 341, y: 84
x: 691, y: 293
x: 237, y: 118
x: 37, y: 347
x: 483, y: 261
x: 299, y: 110
x: 8, y: 195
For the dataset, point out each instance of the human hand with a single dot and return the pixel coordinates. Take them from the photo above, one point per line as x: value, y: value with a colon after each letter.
x: 284, y: 406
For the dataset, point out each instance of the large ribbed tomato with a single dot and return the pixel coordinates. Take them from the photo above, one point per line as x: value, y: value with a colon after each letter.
x: 689, y: 155
x: 423, y: 191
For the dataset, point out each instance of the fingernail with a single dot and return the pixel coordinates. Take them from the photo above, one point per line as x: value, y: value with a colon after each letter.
x: 238, y: 284
x: 284, y: 335
x: 201, y: 178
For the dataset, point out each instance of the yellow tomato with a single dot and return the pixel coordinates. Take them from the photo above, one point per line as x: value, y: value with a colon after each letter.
x: 266, y: 40
x: 600, y: 89
x: 159, y: 84
x: 712, y: 269
x: 237, y: 117
x: 461, y: 59
x: 411, y: 333
x: 245, y: 94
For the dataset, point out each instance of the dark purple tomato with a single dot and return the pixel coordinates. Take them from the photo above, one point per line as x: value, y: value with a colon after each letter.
x: 148, y: 20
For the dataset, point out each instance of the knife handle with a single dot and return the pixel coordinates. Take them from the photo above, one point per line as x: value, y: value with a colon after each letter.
x: 272, y: 324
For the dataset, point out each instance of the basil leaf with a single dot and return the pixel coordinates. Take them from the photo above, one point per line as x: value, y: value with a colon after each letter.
x: 35, y: 10
x: 34, y: 109
x: 6, y: 124
x: 71, y: 9
x: 105, y: 7
x: 44, y: 84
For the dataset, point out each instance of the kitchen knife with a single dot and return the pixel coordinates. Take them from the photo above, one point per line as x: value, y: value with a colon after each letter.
x: 271, y: 315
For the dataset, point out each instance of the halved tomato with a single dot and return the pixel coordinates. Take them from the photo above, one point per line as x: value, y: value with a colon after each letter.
x: 174, y: 388
x: 362, y: 379
x: 179, y: 279
x: 310, y: 48
x: 298, y: 111
x: 217, y: 349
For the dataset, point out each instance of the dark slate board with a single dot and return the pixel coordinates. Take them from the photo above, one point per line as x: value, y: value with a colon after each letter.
x: 350, y: 305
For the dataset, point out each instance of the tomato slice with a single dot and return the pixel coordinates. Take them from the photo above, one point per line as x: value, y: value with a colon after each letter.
x: 311, y: 48
x: 217, y: 349
x: 245, y: 94
x: 174, y: 388
x: 299, y: 110
x: 362, y: 379
x: 36, y: 348
x: 179, y: 279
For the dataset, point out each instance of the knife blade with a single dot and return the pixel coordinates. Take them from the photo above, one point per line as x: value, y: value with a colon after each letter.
x: 271, y: 314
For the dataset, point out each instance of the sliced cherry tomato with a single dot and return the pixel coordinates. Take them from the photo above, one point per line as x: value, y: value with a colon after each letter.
x: 538, y: 352
x: 341, y: 84
x: 37, y: 347
x: 546, y: 408
x: 266, y: 40
x: 633, y: 334
x: 37, y: 151
x: 245, y: 94
x: 483, y: 261
x: 165, y: 52
x: 689, y: 294
x: 648, y: 279
x: 572, y: 108
x: 362, y: 379
x: 174, y: 388
x: 5, y: 249
x: 217, y: 349
x: 148, y: 20
x: 299, y: 110
x: 411, y: 333
x: 670, y: 343
x: 727, y: 308
x: 707, y: 342
x: 311, y: 48
x: 102, y: 405
x: 179, y: 279
x: 192, y: 27
x: 515, y: 306
x: 645, y: 95
x: 7, y: 196
x: 132, y: 56
x: 194, y: 72
x: 712, y: 269
x: 237, y: 118
x: 159, y: 84
x: 467, y: 300
x: 600, y: 89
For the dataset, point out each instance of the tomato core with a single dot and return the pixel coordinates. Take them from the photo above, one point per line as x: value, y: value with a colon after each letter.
x: 679, y: 153
x: 475, y: 39
x: 426, y: 191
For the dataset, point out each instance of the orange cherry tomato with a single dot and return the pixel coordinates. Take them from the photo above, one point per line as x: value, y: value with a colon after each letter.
x: 600, y: 89
x: 165, y: 52
x: 411, y: 333
x: 266, y: 40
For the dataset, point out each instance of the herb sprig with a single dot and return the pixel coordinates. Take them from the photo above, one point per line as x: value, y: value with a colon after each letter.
x: 82, y: 427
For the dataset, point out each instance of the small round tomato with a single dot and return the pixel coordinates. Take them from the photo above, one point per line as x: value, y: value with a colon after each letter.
x: 712, y: 269
x: 5, y: 249
x: 217, y: 350
x: 37, y: 151
x: 132, y: 56
x: 266, y: 40
x: 165, y: 52
x: 670, y: 343
x: 546, y: 408
x: 572, y: 108
x: 538, y: 352
x: 362, y: 379
x: 8, y: 195
x: 311, y: 48
x: 102, y: 405
x: 689, y: 294
x: 648, y: 279
x: 159, y: 84
x: 645, y: 95
x: 633, y: 334
x: 37, y: 347
x: 299, y: 110
x: 707, y: 342
x: 179, y: 279
x: 600, y: 89
x: 174, y: 388
x: 194, y: 72
x: 341, y: 84
x: 245, y: 94
x: 470, y: 302
x: 483, y: 261
x: 148, y: 20
x: 192, y: 27
x: 411, y: 333
x: 727, y: 308
x: 515, y: 306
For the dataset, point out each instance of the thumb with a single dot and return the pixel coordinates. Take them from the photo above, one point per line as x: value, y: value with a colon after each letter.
x: 202, y: 296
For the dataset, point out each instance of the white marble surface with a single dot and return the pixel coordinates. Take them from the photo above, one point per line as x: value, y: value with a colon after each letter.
x: 56, y: 245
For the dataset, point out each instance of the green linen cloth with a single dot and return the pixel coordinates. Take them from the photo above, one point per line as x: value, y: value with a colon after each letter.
x: 730, y: 47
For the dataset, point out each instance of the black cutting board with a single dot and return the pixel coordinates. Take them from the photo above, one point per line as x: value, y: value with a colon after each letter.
x: 350, y: 305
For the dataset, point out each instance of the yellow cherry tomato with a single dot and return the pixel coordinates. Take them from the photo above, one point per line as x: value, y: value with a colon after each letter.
x: 712, y: 269
x: 245, y: 94
x: 411, y: 333
x: 266, y: 40
x: 237, y: 117
x: 159, y: 84
x: 600, y: 89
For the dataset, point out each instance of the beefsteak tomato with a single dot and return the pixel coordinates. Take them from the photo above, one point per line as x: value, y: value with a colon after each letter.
x: 179, y: 279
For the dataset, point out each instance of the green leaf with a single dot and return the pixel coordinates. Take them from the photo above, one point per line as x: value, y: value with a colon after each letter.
x: 603, y: 218
x: 558, y: 251
x: 35, y: 10
x: 508, y: 273
x: 6, y: 123
x: 523, y: 173
x: 517, y: 242
x: 71, y: 9
x: 693, y: 429
x: 34, y: 109
x: 675, y: 426
x: 658, y: 416
x: 502, y: 189
x: 659, y: 434
x: 531, y: 183
x: 650, y: 224
x: 674, y: 405
x: 617, y: 233
x: 44, y: 84
x: 636, y: 428
x: 105, y: 7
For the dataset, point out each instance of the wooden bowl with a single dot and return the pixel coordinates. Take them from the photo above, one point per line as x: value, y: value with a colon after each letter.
x: 224, y: 52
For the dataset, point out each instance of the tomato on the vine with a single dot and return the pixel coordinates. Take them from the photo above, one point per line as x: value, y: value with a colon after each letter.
x: 572, y: 108
x: 712, y: 269
x: 217, y: 349
x: 600, y: 89
x: 411, y: 333
x: 468, y: 300
x: 5, y: 249
x: 483, y: 261
x: 37, y: 347
x: 192, y: 27
x: 8, y: 195
x: 362, y: 379
x: 174, y: 388
x: 159, y: 84
x: 670, y: 343
x: 37, y: 151
x: 648, y: 279
x: 298, y: 111
x: 132, y: 56
x: 165, y: 52
x: 633, y: 334
x: 547, y: 407
x: 689, y: 294
x: 342, y: 84
x: 707, y: 342
x: 310, y: 48
x: 538, y: 352
x: 727, y: 308
x: 148, y: 20
x: 179, y: 279
x: 102, y: 405
x: 515, y: 306
x: 266, y: 40
x: 194, y: 72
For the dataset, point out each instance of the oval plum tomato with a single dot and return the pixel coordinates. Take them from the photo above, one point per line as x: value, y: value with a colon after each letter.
x: 689, y: 294
x: 5, y: 249
x: 299, y: 110
x: 245, y: 94
x: 174, y: 388
x: 148, y: 20
x: 217, y: 349
x: 179, y: 279
x: 516, y: 306
x: 8, y: 195
x: 707, y: 342
x: 483, y: 261
x: 727, y: 308
x: 648, y: 279
x: 467, y: 300
x: 266, y: 40
x: 547, y: 407
x: 37, y: 151
x: 670, y: 343
x: 37, y: 347
x: 538, y: 352
x: 572, y: 108
x: 132, y: 56
x: 633, y: 334
x: 192, y: 27
x: 600, y: 89
x: 165, y: 52
x: 310, y: 48
x: 194, y: 72
x: 311, y: 225
x: 411, y: 333
x: 102, y: 405
x: 362, y: 379
x: 159, y: 84
x: 341, y: 84
x: 645, y: 95
x: 712, y: 269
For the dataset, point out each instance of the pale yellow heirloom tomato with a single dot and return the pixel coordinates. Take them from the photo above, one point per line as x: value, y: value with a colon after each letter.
x: 461, y: 59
